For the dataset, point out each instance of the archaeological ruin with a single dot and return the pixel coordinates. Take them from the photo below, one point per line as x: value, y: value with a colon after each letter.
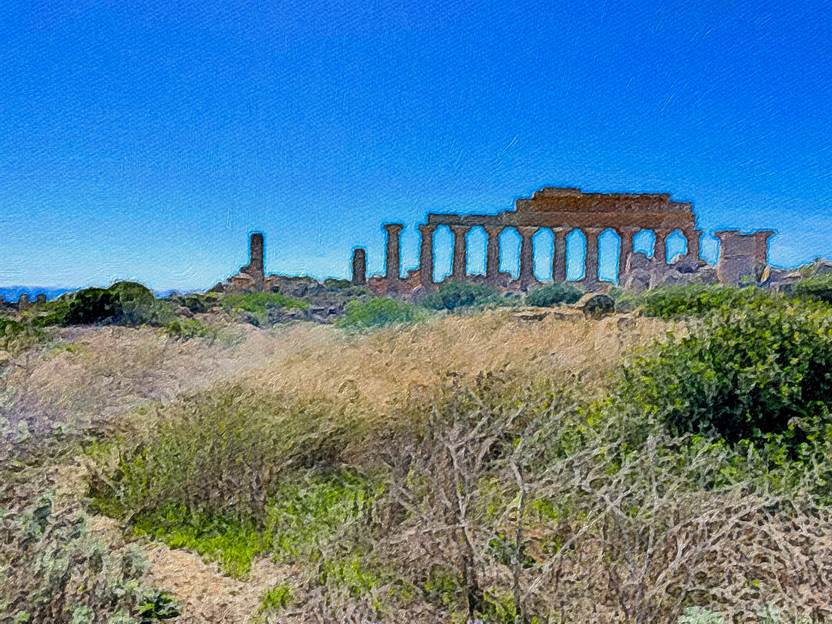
x: 565, y: 213
x: 743, y: 257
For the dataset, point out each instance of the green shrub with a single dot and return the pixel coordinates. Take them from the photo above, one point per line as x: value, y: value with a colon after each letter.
x: 16, y: 336
x: 751, y: 370
x: 259, y: 304
x: 123, y: 303
x: 232, y: 542
x: 186, y: 329
x: 222, y: 452
x: 50, y: 313
x: 56, y: 568
x: 304, y: 513
x: 379, y: 312
x: 91, y: 305
x: 277, y: 598
x: 199, y: 303
x: 337, y: 284
x: 554, y: 294
x: 455, y: 294
x: 818, y: 287
x: 671, y: 302
x: 301, y: 516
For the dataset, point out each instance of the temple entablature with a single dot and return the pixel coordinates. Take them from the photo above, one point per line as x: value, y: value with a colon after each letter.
x: 562, y: 211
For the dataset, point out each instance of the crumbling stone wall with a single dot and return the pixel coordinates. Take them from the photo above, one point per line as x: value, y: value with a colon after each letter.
x: 564, y: 210
x: 252, y: 277
x: 742, y: 257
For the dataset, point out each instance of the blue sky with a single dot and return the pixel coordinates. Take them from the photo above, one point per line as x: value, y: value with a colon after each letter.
x: 145, y: 140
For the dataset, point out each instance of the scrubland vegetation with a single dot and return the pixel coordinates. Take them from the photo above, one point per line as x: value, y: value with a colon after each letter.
x: 671, y: 464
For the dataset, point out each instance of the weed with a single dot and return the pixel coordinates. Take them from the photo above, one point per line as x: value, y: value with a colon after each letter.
x: 277, y: 598
x: 379, y: 312
x: 187, y: 329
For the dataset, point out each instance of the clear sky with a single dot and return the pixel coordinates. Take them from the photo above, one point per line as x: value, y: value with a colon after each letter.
x: 145, y: 140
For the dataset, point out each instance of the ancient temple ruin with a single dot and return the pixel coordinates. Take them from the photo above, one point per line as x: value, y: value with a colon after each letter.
x: 743, y: 257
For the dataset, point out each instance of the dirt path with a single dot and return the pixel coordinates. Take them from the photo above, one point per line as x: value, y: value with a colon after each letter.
x: 206, y: 595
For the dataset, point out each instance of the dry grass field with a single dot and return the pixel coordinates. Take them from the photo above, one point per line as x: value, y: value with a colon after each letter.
x: 449, y: 470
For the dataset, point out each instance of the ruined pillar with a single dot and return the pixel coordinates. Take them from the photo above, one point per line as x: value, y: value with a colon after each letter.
x: 559, y: 257
x: 23, y: 302
x: 460, y: 251
x: 492, y: 254
x: 625, y: 251
x: 359, y: 266
x: 742, y: 257
x: 526, y: 256
x: 591, y: 261
x: 40, y: 298
x: 393, y: 268
x: 660, y: 247
x: 256, y: 262
x: 426, y: 255
x: 693, y: 237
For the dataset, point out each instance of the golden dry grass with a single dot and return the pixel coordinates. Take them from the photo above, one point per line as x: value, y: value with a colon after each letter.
x: 384, y: 365
x: 95, y: 375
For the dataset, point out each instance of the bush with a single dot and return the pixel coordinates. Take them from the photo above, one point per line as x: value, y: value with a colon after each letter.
x: 221, y: 453
x: 199, y: 303
x: 91, y: 305
x: 57, y: 569
x: 818, y: 287
x: 673, y: 302
x: 554, y: 294
x: 186, y: 329
x: 337, y: 284
x: 300, y: 516
x: 379, y: 312
x: 258, y: 305
x: 455, y: 294
x: 123, y: 303
x: 764, y: 367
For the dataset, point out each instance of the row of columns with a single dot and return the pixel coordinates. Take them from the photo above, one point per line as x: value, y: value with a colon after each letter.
x: 492, y: 262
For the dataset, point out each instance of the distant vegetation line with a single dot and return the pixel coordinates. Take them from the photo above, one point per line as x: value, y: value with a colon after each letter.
x: 12, y: 293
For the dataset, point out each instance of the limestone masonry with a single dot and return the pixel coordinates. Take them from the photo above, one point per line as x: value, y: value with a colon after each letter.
x: 743, y: 257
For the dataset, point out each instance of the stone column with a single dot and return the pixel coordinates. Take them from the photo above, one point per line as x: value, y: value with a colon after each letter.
x: 393, y: 269
x: 559, y: 257
x: 625, y: 251
x: 693, y: 237
x: 660, y: 247
x: 426, y: 255
x: 591, y: 270
x: 256, y: 263
x: 492, y: 254
x: 359, y: 267
x: 526, y: 256
x: 460, y: 252
x: 23, y: 302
